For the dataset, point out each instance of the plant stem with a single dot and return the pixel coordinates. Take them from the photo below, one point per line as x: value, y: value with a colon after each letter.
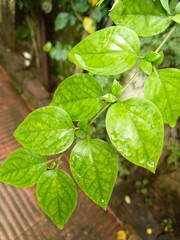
x: 131, y: 80
x: 166, y: 38
x: 99, y: 113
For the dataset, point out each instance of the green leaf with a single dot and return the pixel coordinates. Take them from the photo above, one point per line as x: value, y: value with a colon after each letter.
x: 116, y: 89
x: 81, y: 6
x: 145, y: 17
x: 61, y: 21
x: 57, y: 196
x: 80, y: 96
x: 46, y: 131
x: 135, y: 127
x: 163, y: 88
x: 109, y: 51
x: 22, y: 168
x: 177, y: 8
x: 146, y: 66
x: 152, y: 56
x: 83, y: 125
x: 165, y: 4
x: 160, y: 59
x: 94, y: 166
x: 47, y: 47
x: 109, y: 98
x: 176, y: 18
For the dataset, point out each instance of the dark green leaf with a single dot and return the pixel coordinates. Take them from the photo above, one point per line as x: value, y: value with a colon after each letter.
x: 61, y: 21
x: 79, y: 95
x: 109, y: 51
x: 163, y: 88
x: 22, y: 168
x: 57, y: 196
x: 47, y: 131
x: 135, y: 127
x: 146, y: 66
x: 165, y: 4
x: 81, y: 6
x: 94, y: 165
x: 116, y: 89
x: 145, y: 17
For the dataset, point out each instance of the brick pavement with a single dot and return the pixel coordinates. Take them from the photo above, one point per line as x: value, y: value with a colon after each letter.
x: 20, y: 216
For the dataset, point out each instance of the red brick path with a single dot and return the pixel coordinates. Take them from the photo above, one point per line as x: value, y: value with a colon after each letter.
x: 20, y: 216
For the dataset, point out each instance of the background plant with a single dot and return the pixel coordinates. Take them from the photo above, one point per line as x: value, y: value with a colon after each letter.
x: 135, y: 126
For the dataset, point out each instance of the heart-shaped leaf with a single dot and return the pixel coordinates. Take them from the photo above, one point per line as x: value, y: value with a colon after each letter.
x: 135, y: 127
x: 57, y: 196
x: 163, y: 88
x: 145, y: 17
x: 94, y: 166
x: 108, y: 51
x: 79, y: 95
x: 46, y: 131
x: 22, y: 168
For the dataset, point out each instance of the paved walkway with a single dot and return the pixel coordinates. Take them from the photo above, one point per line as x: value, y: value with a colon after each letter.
x: 20, y: 216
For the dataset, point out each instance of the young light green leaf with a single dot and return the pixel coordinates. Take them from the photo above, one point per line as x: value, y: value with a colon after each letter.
x: 109, y: 98
x: 108, y: 51
x: 57, y: 196
x: 145, y: 17
x: 116, y: 89
x: 79, y: 95
x: 160, y: 59
x: 177, y: 8
x: 163, y: 88
x: 136, y: 132
x: 146, y: 66
x: 22, y: 168
x: 152, y: 56
x: 165, y: 4
x: 94, y: 165
x: 83, y: 125
x: 176, y: 18
x: 46, y: 131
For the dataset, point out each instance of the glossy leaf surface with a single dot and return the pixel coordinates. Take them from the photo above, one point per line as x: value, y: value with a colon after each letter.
x: 22, y: 168
x: 94, y: 165
x: 135, y: 127
x: 46, y: 131
x: 163, y: 89
x: 57, y: 196
x: 145, y: 17
x: 80, y: 96
x: 109, y: 51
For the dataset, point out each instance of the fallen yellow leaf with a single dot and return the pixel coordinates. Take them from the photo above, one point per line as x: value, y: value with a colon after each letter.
x: 94, y: 2
x: 89, y: 24
x: 121, y: 235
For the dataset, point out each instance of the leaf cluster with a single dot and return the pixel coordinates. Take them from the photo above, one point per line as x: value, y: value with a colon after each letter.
x: 134, y: 126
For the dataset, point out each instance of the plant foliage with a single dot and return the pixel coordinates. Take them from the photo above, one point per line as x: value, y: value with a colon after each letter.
x: 135, y: 126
